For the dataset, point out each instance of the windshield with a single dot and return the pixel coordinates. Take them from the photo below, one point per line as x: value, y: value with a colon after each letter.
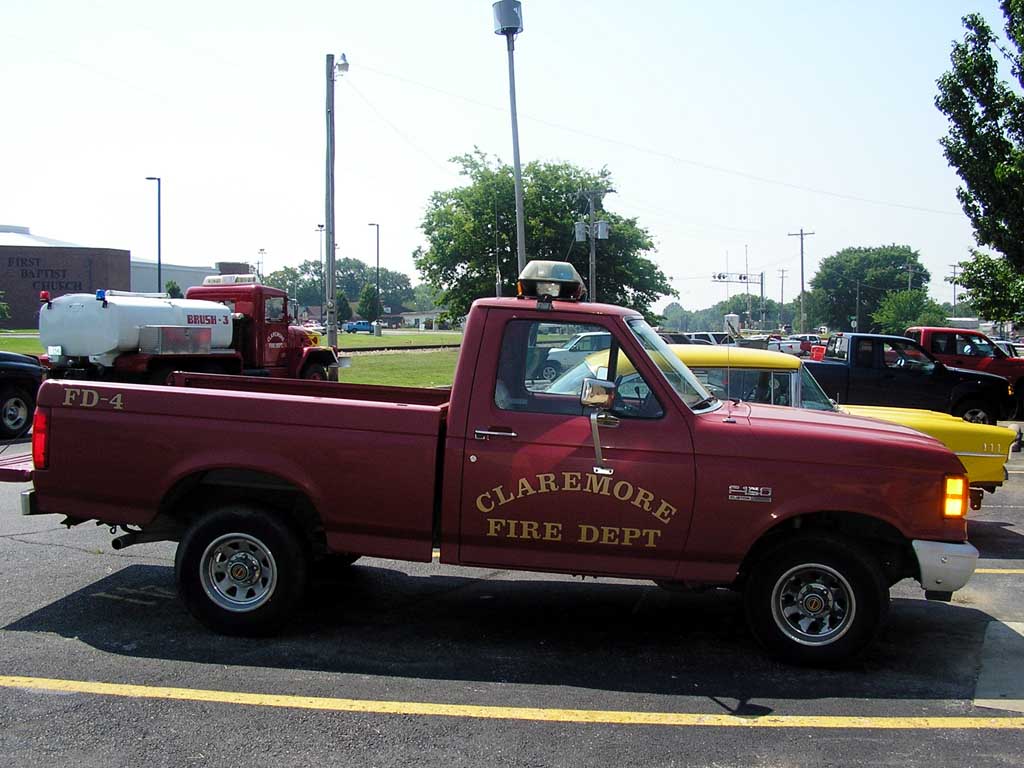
x: 682, y: 380
x: 812, y: 396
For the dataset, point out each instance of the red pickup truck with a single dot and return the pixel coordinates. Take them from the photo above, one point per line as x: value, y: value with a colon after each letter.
x: 638, y: 473
x: 966, y: 348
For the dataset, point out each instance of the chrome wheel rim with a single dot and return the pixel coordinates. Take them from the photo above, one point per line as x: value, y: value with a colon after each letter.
x: 15, y: 413
x: 813, y: 604
x: 549, y: 373
x: 238, y: 572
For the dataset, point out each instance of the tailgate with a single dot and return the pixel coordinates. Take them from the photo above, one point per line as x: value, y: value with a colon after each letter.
x: 16, y: 469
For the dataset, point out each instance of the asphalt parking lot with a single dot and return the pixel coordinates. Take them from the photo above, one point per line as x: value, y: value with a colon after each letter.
x: 395, y: 663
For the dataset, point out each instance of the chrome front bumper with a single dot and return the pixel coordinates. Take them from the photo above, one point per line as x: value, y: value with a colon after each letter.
x: 944, y: 567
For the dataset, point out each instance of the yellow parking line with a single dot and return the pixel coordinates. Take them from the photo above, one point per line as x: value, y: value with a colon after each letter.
x: 999, y: 570
x: 511, y: 713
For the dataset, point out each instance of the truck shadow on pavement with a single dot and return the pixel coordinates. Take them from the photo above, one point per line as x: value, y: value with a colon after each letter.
x: 996, y: 539
x: 378, y: 621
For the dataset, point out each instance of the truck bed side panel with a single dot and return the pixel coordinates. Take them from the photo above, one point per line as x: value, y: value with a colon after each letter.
x: 368, y: 468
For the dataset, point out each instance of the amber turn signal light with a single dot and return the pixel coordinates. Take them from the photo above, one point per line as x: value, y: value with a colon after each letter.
x: 955, y: 500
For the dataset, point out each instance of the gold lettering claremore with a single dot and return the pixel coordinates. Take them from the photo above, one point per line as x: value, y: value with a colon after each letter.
x: 575, y: 482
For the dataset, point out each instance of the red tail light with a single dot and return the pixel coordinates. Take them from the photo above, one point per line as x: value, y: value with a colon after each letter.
x: 41, y: 438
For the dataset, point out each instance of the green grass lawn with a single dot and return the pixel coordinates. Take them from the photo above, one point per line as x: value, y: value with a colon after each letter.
x: 27, y: 346
x: 413, y: 338
x: 403, y: 369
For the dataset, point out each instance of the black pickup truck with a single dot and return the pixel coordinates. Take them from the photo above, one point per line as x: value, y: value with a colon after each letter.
x: 20, y: 377
x: 870, y: 369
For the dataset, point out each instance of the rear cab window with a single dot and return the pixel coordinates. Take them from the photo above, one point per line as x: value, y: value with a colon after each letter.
x: 838, y: 348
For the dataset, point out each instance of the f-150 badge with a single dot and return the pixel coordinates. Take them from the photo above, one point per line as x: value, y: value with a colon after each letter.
x: 756, y: 493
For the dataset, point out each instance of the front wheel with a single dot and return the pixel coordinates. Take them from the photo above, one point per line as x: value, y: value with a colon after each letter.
x: 976, y: 412
x: 240, y: 570
x: 816, y: 600
x: 315, y: 372
x: 550, y: 371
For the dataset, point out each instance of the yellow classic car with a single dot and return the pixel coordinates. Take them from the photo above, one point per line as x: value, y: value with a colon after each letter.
x: 773, y: 377
x: 776, y: 378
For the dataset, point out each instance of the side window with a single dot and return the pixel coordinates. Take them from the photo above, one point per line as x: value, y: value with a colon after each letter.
x: 837, y: 348
x: 274, y: 309
x: 865, y: 354
x: 973, y: 346
x: 905, y: 356
x: 942, y: 344
x: 541, y: 370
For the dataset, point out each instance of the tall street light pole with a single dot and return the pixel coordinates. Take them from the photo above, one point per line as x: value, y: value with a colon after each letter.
x: 508, y: 21
x: 159, y: 259
x: 377, y: 310
x: 332, y: 309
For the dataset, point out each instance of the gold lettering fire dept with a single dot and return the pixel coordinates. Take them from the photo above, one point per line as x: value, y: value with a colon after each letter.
x: 575, y: 482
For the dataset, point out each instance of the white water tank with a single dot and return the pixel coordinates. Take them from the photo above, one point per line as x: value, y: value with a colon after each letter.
x: 81, y: 325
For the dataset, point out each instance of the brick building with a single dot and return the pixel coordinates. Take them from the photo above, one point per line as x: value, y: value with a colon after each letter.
x: 30, y: 264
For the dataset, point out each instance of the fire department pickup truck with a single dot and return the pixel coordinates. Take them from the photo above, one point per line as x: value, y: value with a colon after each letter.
x: 653, y: 478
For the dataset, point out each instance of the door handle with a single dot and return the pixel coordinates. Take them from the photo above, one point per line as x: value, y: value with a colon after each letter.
x: 487, y: 434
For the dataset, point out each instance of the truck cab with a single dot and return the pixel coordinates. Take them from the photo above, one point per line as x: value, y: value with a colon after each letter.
x: 269, y: 344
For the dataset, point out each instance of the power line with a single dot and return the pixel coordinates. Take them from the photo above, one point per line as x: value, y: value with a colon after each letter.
x: 675, y: 158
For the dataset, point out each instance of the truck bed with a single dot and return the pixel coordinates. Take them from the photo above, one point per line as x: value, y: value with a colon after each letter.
x: 332, y: 389
x: 167, y: 440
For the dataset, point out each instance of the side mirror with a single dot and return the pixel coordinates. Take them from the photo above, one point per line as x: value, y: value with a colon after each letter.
x: 597, y: 393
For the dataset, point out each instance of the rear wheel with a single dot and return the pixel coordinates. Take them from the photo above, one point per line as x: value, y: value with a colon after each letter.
x: 240, y: 570
x: 159, y: 375
x: 976, y: 411
x: 16, y: 407
x: 816, y: 600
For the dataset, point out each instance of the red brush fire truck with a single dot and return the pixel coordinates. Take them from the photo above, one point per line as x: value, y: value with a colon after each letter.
x: 231, y: 324
x: 637, y: 472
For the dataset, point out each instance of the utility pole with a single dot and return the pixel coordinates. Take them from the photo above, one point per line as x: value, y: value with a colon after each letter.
x: 782, y: 293
x: 911, y: 269
x: 803, y: 315
x: 955, y: 268
x: 856, y: 311
x: 595, y: 230
x: 762, y: 300
x: 159, y: 256
x: 746, y: 272
x: 332, y: 292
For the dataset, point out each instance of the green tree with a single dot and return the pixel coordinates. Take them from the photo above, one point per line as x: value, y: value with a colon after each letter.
x: 994, y: 288
x: 832, y: 300
x: 368, y: 308
x: 344, y: 309
x: 898, y: 310
x: 172, y: 289
x: 471, y: 230
x: 985, y: 143
x: 424, y: 298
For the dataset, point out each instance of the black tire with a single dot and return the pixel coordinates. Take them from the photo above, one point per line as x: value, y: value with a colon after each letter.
x: 976, y: 411
x: 315, y: 372
x: 816, y: 600
x: 269, y: 567
x: 16, y: 409
x: 549, y: 371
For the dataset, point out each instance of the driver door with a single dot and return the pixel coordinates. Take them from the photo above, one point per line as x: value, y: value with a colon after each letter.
x: 532, y: 496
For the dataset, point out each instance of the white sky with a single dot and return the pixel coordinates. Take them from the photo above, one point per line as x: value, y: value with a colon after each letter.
x: 723, y: 126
